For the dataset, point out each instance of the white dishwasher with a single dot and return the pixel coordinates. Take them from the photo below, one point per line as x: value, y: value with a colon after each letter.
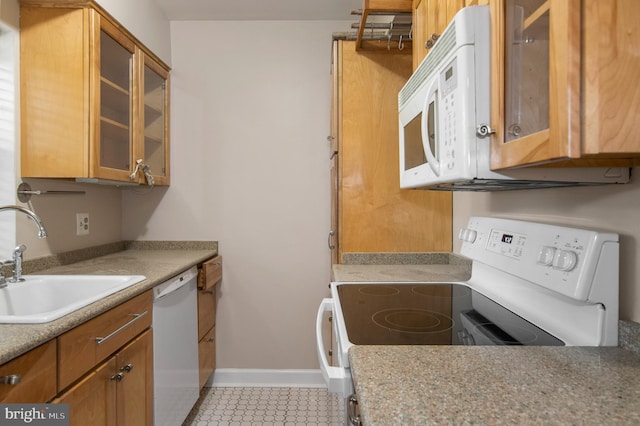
x: 175, y: 348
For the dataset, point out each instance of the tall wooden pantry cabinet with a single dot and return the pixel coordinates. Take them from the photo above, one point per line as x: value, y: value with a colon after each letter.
x: 370, y: 211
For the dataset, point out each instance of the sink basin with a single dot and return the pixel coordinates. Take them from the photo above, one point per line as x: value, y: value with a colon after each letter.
x: 44, y: 298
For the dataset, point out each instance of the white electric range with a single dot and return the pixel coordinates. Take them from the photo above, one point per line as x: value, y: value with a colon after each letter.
x: 531, y: 284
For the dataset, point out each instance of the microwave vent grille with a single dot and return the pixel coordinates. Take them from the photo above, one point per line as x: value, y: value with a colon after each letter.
x: 445, y: 44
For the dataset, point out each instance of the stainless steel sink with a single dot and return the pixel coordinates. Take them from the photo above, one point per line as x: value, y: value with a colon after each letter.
x: 44, y: 298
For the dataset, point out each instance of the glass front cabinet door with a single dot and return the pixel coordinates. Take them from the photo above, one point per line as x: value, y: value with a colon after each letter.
x: 153, y: 148
x: 556, y: 68
x: 132, y: 143
x: 115, y: 135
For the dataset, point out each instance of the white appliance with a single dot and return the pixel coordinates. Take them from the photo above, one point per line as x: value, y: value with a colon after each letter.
x: 531, y: 284
x: 444, y: 116
x: 175, y: 348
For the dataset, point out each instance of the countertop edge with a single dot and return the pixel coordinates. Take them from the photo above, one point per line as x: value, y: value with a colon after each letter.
x: 18, y: 339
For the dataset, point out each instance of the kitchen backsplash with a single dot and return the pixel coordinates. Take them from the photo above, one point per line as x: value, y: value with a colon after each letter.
x: 39, y: 264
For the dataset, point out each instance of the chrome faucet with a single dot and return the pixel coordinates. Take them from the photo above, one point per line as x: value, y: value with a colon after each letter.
x: 42, y: 233
x: 17, y: 252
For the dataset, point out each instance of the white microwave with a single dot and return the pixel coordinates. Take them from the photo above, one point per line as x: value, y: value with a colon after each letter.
x: 444, y: 112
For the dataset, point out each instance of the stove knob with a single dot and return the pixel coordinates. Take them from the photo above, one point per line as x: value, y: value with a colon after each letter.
x: 467, y: 235
x: 565, y: 260
x: 545, y: 255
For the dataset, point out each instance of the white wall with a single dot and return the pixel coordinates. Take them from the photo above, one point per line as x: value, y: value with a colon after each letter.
x: 610, y: 208
x: 250, y: 168
x: 9, y: 107
x: 146, y: 21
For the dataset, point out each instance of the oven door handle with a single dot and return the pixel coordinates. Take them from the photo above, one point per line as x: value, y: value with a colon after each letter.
x: 335, y: 377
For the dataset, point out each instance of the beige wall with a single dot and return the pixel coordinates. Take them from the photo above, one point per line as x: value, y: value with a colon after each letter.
x: 250, y: 168
x: 610, y: 208
x: 9, y: 12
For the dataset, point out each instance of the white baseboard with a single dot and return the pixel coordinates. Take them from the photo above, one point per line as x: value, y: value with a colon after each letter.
x: 249, y: 377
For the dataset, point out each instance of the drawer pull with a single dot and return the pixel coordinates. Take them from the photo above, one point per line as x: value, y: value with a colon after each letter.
x: 11, y: 379
x: 211, y: 340
x: 136, y: 317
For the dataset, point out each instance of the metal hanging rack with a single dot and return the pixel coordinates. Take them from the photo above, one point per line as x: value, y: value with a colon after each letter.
x: 391, y: 22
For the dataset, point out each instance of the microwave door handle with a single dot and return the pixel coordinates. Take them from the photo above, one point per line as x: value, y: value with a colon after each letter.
x: 430, y: 101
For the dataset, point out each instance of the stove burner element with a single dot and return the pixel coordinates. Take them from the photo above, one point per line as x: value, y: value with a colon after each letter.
x: 412, y: 320
x: 378, y: 290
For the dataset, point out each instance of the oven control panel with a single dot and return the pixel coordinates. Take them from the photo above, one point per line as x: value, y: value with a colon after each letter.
x: 563, y: 259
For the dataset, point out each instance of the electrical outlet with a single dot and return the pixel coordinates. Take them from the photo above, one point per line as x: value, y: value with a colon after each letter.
x: 82, y: 223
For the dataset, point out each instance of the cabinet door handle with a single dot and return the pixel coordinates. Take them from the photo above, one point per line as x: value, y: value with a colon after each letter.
x: 136, y: 317
x: 127, y: 368
x: 330, y: 240
x: 118, y: 377
x: 11, y: 379
x: 429, y: 44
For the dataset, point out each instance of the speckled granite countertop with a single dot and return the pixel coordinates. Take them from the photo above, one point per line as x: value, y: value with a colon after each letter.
x: 375, y: 267
x: 486, y: 385
x: 158, y: 261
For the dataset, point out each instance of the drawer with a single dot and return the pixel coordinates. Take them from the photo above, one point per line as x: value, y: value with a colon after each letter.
x: 207, y: 356
x: 210, y: 273
x: 90, y: 343
x: 206, y: 310
x: 37, y: 371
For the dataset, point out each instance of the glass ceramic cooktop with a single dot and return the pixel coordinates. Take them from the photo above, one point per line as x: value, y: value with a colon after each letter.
x: 432, y: 314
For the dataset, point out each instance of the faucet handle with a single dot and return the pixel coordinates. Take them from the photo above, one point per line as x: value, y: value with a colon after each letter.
x: 3, y: 280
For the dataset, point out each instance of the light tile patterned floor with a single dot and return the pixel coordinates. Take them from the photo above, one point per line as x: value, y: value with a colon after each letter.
x: 265, y: 407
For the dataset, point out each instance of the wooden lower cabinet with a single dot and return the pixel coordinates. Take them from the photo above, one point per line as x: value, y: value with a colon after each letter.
x: 208, y: 275
x: 207, y: 356
x: 34, y: 374
x: 119, y: 391
x: 92, y: 401
x: 134, y: 394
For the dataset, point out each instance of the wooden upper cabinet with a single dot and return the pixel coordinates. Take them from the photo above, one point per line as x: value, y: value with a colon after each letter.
x: 94, y: 101
x: 430, y: 18
x: 114, y: 107
x: 564, y: 82
x: 154, y: 151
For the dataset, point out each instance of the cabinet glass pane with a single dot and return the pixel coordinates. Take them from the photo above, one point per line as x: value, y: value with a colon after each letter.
x: 154, y: 121
x: 526, y: 68
x: 115, y: 104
